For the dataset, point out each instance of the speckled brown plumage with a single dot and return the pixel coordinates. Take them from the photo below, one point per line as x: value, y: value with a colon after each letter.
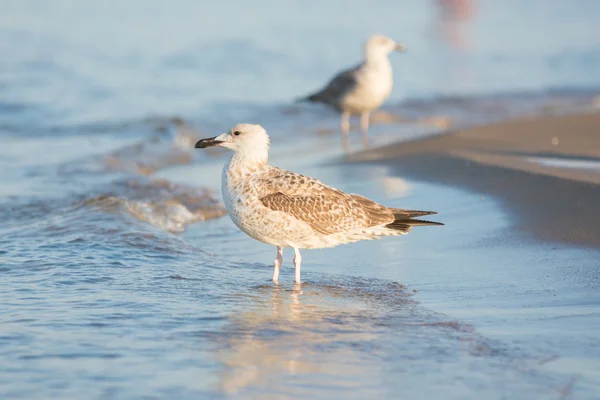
x: 325, y: 209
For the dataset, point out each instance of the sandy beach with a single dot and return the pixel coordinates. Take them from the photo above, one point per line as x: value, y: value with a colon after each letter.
x: 556, y: 200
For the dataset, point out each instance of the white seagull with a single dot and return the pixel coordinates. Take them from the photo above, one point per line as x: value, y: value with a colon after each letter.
x: 286, y: 209
x: 361, y: 89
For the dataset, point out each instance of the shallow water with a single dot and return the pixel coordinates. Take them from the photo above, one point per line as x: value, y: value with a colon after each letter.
x: 588, y: 165
x: 120, y: 279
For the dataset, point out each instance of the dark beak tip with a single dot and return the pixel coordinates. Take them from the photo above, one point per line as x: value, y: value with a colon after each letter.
x: 204, y: 143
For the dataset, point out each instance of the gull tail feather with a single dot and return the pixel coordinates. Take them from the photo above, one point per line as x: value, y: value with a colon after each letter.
x: 312, y: 98
x: 404, y: 223
x: 400, y: 213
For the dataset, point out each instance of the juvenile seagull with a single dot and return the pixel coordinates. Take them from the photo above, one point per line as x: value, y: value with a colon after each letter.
x: 361, y: 89
x: 286, y: 209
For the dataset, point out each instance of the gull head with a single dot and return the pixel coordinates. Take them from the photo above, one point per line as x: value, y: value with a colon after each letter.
x: 378, y: 46
x: 247, y: 140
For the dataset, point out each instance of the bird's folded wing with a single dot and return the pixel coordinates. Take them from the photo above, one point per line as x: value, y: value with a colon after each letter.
x: 326, y: 209
x: 341, y: 84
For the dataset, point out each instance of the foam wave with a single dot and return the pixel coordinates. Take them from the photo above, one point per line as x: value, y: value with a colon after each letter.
x: 161, y: 203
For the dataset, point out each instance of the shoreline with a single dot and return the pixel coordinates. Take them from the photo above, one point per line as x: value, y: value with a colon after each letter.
x: 553, y: 202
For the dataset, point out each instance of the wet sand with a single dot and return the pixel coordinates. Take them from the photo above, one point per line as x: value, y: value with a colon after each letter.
x: 545, y: 170
x: 518, y: 256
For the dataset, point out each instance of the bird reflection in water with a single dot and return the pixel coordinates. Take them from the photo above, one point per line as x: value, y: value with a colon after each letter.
x: 452, y: 20
x: 296, y: 338
x: 452, y: 33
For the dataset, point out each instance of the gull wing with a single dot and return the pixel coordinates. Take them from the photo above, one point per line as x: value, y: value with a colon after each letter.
x: 341, y: 84
x: 326, y: 209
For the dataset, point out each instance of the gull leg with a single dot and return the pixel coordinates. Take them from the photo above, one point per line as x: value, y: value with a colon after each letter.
x: 364, y: 127
x: 297, y: 262
x: 345, y: 123
x: 345, y: 128
x: 277, y: 265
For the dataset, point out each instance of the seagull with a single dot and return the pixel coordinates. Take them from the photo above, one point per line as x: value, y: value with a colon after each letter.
x: 361, y: 89
x: 286, y: 209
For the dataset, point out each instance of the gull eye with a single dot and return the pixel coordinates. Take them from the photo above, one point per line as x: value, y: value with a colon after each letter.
x: 237, y: 133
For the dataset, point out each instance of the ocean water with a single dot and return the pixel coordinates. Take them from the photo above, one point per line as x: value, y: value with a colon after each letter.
x: 122, y: 277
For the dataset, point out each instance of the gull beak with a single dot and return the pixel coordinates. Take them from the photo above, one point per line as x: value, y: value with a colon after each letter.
x: 223, y: 138
x: 400, y: 47
x: 208, y: 142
